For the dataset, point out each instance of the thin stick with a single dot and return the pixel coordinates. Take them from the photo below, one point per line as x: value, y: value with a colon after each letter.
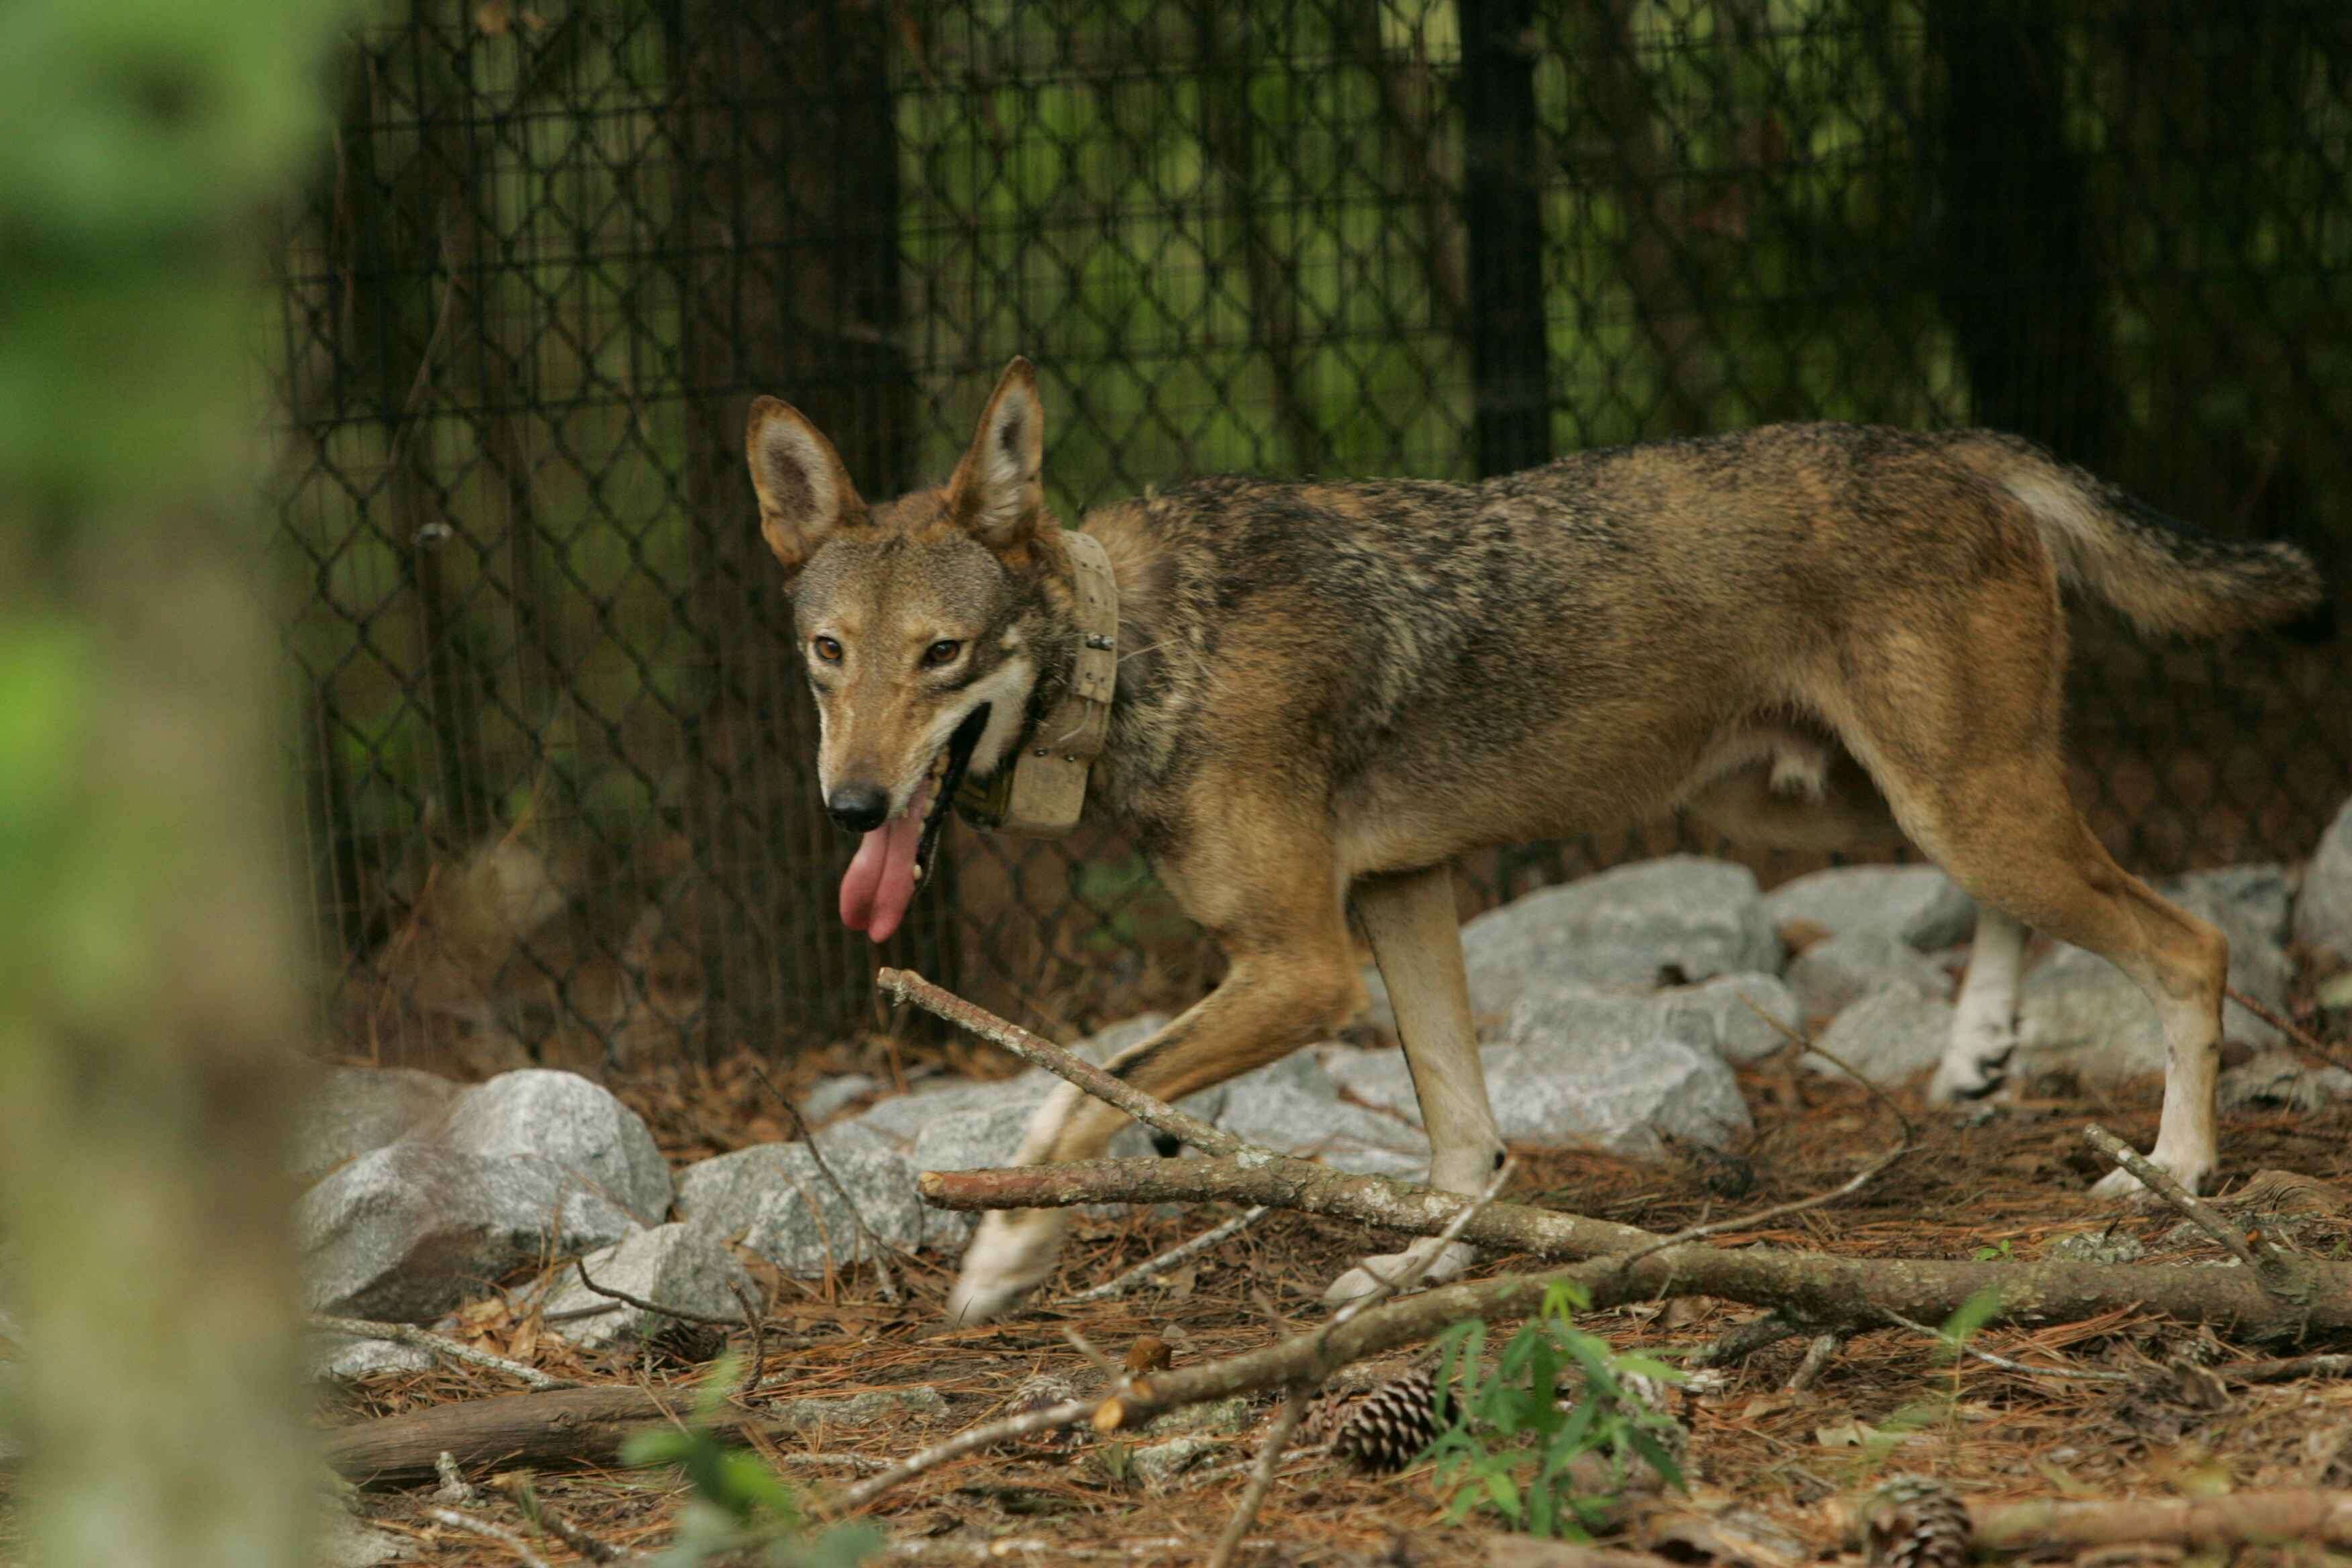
x: 757, y: 1364
x: 520, y: 1491
x: 2268, y: 1267
x: 1269, y: 1459
x: 1741, y: 1341
x: 904, y: 986
x: 2335, y: 1364
x: 2310, y: 1516
x: 484, y: 1528
x: 2003, y: 1361
x: 884, y: 1279
x: 1068, y: 1413
x: 2302, y: 1037
x: 1817, y: 1356
x: 1170, y: 1259
x: 419, y: 1339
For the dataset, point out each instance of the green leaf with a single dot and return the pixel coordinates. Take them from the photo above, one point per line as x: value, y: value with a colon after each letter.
x: 1970, y: 1317
x: 1659, y: 1461
x: 1505, y: 1493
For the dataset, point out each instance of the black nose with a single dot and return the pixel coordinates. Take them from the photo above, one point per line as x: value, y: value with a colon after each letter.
x: 858, y: 807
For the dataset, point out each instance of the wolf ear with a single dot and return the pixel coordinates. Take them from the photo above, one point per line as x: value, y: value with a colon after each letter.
x: 997, y: 493
x: 805, y: 493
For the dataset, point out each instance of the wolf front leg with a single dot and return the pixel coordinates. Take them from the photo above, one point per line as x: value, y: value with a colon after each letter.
x: 1416, y: 940
x: 1984, y: 1025
x: 1270, y: 1003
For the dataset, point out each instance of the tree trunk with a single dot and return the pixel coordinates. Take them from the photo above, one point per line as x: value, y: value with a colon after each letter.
x: 147, y: 1006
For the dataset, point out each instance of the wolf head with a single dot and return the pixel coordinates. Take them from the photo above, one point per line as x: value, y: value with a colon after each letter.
x: 926, y: 622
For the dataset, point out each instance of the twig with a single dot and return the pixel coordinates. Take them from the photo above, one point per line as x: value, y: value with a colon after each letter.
x: 419, y: 1339
x: 2269, y: 1266
x: 757, y: 1364
x: 484, y: 1528
x: 1741, y: 1341
x: 884, y: 1279
x: 519, y: 1490
x: 1170, y: 1259
x: 1269, y: 1459
x: 2003, y: 1361
x: 904, y: 986
x: 2288, y: 1370
x: 615, y: 1293
x: 1817, y: 1356
x: 453, y: 1488
x: 2304, y: 1038
x: 1068, y: 1413
x: 1102, y: 1363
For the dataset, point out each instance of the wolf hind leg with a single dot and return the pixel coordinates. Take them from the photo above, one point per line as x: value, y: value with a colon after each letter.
x: 1416, y: 940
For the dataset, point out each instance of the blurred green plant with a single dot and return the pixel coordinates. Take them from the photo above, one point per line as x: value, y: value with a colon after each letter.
x: 1511, y: 1444
x: 737, y: 1507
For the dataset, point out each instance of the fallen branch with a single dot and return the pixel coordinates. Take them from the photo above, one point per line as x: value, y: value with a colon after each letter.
x: 487, y: 1531
x: 2277, y: 1272
x: 1814, y: 1290
x: 2237, y: 1518
x: 1052, y: 1418
x: 2288, y: 1369
x: 2304, y: 1038
x: 409, y: 1334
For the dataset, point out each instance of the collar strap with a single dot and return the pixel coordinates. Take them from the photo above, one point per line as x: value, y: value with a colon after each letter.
x: 1045, y: 790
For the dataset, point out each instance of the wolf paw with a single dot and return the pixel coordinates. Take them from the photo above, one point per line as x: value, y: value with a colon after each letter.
x: 1367, y: 1276
x: 1973, y: 1068
x: 2194, y: 1174
x: 1010, y: 1257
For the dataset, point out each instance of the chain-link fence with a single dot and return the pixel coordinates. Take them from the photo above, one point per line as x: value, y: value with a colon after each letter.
x: 557, y: 754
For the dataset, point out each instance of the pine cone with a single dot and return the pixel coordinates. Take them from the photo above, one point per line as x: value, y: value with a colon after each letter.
x: 1914, y: 1523
x: 1385, y: 1428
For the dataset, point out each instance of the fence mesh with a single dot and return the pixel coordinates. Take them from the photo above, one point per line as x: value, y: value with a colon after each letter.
x: 557, y: 754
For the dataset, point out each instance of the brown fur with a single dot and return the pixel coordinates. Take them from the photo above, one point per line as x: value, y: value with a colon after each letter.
x: 1816, y: 634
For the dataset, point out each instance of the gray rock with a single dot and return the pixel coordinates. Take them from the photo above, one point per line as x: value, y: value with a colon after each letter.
x: 2322, y: 911
x: 1295, y: 1113
x: 344, y: 1358
x: 345, y: 1542
x: 1714, y: 1016
x: 902, y: 1118
x: 1618, y: 1095
x: 1918, y: 904
x: 561, y: 1117
x: 832, y: 1095
x: 773, y: 1199
x: 2281, y: 1080
x: 2249, y: 901
x: 1622, y: 928
x: 1834, y: 974
x: 2096, y: 1247
x: 675, y: 1264
x: 972, y: 1139
x: 922, y: 1402
x: 1886, y: 1036
x: 1230, y: 1415
x: 349, y: 1111
x: 1161, y: 1463
x: 403, y: 1233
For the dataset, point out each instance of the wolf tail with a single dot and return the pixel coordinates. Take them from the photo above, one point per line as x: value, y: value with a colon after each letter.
x: 2163, y: 575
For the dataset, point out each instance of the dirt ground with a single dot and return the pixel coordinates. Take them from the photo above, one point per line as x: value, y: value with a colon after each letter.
x: 1788, y: 1462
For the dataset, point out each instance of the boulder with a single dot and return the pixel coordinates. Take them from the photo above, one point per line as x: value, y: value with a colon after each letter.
x: 1886, y: 1036
x: 404, y: 1232
x: 346, y: 1358
x: 1294, y: 1107
x: 1917, y: 904
x: 1622, y: 928
x: 1839, y: 971
x: 349, y: 1111
x: 773, y: 1199
x: 2322, y: 911
x: 675, y: 1264
x: 2282, y: 1081
x: 1618, y: 1095
x: 832, y: 1095
x: 561, y: 1117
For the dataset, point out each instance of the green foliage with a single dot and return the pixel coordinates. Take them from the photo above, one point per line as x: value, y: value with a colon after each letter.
x: 740, y: 1509
x: 1997, y: 1252
x: 1513, y: 1442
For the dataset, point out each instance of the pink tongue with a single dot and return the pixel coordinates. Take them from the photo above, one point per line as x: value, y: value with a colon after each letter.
x: 880, y: 882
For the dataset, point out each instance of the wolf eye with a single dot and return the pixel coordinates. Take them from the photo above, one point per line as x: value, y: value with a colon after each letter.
x: 827, y: 649
x: 942, y: 652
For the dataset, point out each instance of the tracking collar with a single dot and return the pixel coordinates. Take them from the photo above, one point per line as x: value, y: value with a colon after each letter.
x: 1042, y: 794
